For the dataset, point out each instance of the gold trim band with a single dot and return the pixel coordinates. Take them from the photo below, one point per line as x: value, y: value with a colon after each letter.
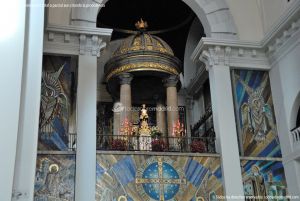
x: 144, y: 66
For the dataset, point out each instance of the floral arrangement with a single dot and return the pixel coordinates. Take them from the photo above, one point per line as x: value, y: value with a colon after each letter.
x: 126, y: 128
x: 119, y: 144
x: 198, y: 146
x: 158, y: 145
x: 178, y: 129
x: 155, y: 132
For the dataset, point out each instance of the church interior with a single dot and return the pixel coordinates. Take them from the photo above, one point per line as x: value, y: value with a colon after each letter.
x: 138, y: 100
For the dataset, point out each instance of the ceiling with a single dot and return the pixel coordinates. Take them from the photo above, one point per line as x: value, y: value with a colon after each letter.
x: 160, y: 15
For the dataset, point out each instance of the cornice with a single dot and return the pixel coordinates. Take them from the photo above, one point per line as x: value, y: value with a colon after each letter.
x: 253, y: 54
x: 280, y: 45
x: 75, y: 40
x: 283, y: 23
x: 233, y: 53
x: 283, y: 37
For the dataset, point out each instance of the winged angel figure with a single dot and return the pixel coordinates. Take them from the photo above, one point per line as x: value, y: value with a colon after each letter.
x: 53, y: 101
x: 257, y: 117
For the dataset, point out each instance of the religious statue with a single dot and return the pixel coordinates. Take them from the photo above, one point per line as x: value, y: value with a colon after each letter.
x: 144, y: 130
x: 144, y: 113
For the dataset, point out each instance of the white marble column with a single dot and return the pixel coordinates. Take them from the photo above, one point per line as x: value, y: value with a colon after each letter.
x: 161, y: 117
x: 125, y: 96
x: 225, y: 128
x: 172, y: 110
x: 172, y: 102
x: 86, y: 128
x: 25, y: 162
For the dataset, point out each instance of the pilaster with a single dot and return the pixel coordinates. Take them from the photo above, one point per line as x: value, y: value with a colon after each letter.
x: 217, y: 63
x: 86, y: 43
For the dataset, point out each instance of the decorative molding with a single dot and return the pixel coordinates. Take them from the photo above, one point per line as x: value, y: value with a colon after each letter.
x: 75, y: 40
x: 284, y: 21
x: 236, y: 54
x: 279, y: 46
x: 256, y: 54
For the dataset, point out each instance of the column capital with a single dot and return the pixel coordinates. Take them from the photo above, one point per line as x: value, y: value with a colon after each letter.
x: 76, y: 40
x: 215, y: 56
x: 171, y: 81
x: 125, y: 78
x: 239, y: 54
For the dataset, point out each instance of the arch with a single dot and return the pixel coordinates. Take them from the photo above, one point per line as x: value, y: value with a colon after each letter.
x: 295, y: 112
x: 194, y: 36
x: 214, y: 15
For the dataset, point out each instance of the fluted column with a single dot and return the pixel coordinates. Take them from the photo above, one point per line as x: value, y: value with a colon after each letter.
x: 161, y: 117
x: 172, y: 102
x: 125, y: 96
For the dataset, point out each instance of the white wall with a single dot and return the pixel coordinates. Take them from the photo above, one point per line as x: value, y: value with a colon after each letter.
x: 59, y: 15
x: 285, y: 84
x: 12, y: 21
x: 289, y: 70
x: 247, y: 19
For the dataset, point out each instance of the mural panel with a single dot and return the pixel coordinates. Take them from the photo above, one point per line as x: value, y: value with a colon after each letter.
x: 55, y: 178
x: 57, y: 96
x: 264, y: 180
x: 145, y: 178
x: 255, y: 117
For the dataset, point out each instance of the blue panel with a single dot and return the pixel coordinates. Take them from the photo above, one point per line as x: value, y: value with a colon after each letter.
x: 125, y: 170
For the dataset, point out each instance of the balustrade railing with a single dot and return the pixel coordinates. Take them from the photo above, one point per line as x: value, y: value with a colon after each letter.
x: 72, y: 138
x: 296, y: 137
x: 159, y: 144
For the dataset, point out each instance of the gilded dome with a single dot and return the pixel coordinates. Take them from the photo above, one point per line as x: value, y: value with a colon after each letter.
x: 143, y: 42
x: 142, y: 53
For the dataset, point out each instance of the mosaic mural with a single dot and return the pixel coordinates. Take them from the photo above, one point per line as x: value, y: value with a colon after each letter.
x: 148, y: 178
x: 264, y: 179
x: 254, y: 110
x: 55, y: 178
x: 56, y: 101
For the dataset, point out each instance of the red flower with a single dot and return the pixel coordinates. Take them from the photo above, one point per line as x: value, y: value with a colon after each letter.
x: 198, y: 146
x: 118, y: 144
x: 158, y: 145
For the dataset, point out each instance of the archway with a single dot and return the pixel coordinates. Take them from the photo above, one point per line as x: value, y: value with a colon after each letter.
x: 208, y: 12
x: 295, y: 113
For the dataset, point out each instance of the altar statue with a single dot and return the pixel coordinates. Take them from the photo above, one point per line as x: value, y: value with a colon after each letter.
x: 144, y: 113
x: 144, y: 130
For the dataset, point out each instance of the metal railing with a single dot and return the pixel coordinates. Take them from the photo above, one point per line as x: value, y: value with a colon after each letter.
x: 296, y: 137
x: 158, y: 144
